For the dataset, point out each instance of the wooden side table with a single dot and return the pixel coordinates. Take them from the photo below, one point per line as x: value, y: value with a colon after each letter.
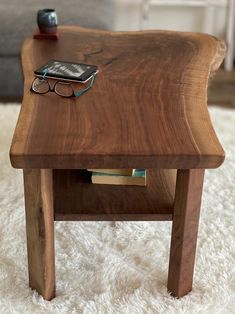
x: 147, y: 109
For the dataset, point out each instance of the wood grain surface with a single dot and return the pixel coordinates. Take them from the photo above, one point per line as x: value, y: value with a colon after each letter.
x: 147, y: 109
x: 187, y: 205
x: 76, y: 198
x: 40, y: 231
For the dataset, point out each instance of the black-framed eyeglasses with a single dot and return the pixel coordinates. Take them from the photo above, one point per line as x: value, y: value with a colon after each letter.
x: 61, y: 88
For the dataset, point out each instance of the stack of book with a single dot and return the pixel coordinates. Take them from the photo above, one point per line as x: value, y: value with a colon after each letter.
x: 118, y: 176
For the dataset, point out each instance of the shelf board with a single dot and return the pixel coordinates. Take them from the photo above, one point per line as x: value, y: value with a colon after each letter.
x: 76, y: 198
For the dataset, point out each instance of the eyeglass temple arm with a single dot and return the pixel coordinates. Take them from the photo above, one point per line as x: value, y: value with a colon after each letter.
x: 45, y: 73
x: 81, y: 92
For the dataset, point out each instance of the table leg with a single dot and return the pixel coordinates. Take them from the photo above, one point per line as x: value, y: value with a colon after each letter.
x: 40, y: 230
x: 184, y: 230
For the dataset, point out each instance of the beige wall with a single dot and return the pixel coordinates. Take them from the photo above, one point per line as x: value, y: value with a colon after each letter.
x: 128, y: 15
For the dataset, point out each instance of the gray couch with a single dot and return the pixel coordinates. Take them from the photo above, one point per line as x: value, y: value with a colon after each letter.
x: 18, y: 20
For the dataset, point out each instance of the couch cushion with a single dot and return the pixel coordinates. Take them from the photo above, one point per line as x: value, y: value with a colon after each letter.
x: 11, y: 78
x: 18, y: 18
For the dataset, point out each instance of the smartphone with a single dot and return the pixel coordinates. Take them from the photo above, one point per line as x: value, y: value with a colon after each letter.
x: 67, y: 71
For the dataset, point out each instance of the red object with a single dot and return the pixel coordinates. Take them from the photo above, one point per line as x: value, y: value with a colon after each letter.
x: 52, y: 36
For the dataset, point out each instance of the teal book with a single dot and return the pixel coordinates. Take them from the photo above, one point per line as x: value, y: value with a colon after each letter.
x: 138, y: 177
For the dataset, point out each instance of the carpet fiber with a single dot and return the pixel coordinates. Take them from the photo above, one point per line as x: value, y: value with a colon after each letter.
x: 121, y: 267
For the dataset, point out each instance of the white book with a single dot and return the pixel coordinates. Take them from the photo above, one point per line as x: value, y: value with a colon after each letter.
x: 137, y: 178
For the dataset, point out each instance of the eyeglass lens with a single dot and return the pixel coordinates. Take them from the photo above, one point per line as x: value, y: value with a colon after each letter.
x: 40, y: 86
x: 64, y: 89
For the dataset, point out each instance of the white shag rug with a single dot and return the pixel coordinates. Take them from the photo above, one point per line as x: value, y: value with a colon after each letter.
x: 102, y: 267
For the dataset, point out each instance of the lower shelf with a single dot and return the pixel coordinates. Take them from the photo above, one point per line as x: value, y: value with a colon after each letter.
x: 76, y: 198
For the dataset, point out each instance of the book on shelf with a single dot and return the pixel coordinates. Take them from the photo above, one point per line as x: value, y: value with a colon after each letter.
x: 138, y: 177
x: 122, y: 172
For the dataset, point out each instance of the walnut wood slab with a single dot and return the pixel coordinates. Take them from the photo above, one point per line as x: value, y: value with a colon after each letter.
x: 147, y: 109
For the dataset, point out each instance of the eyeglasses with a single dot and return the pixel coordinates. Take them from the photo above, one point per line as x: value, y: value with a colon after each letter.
x: 63, y: 89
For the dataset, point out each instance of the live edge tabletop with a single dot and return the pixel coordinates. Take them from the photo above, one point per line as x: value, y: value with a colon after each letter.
x: 147, y: 108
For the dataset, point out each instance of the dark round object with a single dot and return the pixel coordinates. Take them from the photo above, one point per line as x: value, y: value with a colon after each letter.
x: 47, y: 21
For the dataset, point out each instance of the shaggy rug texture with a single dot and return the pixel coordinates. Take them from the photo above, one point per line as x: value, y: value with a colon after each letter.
x: 121, y: 267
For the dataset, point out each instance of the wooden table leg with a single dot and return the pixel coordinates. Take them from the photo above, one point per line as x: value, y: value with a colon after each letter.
x: 40, y: 231
x: 184, y: 230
